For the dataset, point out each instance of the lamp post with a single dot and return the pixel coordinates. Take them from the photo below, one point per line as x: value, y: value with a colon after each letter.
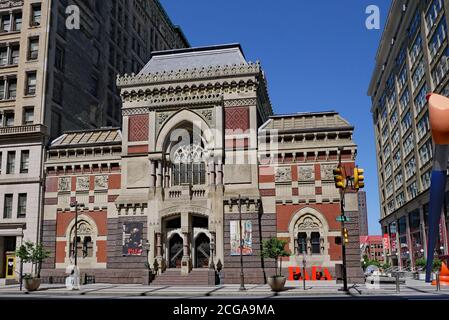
x: 304, y: 270
x: 212, y: 248
x: 242, y: 277
x: 76, y: 205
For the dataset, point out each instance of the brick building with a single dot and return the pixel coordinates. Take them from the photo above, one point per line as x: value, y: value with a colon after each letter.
x: 372, y: 247
x: 198, y: 134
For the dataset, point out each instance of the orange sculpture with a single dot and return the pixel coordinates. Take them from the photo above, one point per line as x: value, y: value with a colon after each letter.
x: 444, y: 276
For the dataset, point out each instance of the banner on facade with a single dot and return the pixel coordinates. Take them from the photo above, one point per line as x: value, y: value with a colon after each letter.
x: 393, y: 242
x: 247, y: 235
x: 386, y: 242
x: 132, y: 238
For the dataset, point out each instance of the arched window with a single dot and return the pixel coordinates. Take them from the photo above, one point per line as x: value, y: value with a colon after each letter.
x: 83, y: 244
x: 188, y: 166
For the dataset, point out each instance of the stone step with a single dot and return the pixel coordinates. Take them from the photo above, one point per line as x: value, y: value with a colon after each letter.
x: 175, y: 278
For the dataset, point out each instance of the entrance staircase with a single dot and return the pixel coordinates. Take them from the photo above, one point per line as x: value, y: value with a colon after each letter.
x: 173, y: 277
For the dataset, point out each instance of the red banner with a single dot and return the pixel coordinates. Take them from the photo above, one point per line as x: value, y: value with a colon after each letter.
x: 386, y: 241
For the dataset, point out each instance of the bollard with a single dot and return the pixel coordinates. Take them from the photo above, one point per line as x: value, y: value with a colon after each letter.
x: 397, y: 282
x: 437, y: 278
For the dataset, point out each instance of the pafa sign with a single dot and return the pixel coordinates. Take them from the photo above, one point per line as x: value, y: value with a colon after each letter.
x: 313, y: 273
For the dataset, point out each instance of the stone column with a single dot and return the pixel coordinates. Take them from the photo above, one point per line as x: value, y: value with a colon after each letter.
x: 186, y: 262
x: 152, y: 173
x: 159, y: 174
x: 422, y: 226
x: 159, y: 252
x: 167, y: 176
x: 219, y: 170
x: 409, y: 241
x: 211, y: 172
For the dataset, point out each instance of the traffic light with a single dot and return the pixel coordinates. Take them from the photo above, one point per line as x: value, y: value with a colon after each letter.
x: 345, y: 235
x: 358, y: 178
x: 340, y: 182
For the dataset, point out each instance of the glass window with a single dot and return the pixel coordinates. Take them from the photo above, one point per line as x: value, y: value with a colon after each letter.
x: 9, y: 119
x: 412, y: 190
x: 404, y: 100
x: 18, y: 21
x: 388, y: 170
x: 302, y: 242
x: 31, y: 83
x: 400, y: 199
x: 408, y: 144
x: 11, y: 162
x: 28, y: 116
x: 3, y: 56
x: 24, y: 161
x: 410, y: 168
x: 6, y: 23
x: 59, y: 58
x: 418, y: 74
x: 432, y: 14
x: 416, y: 50
x: 425, y: 180
x: 12, y: 88
x: 425, y: 153
x: 7, y: 207
x: 395, y: 139
x: 398, y: 180
x: 15, y: 52
x: 420, y: 100
x: 36, y: 15
x: 437, y: 39
x: 22, y: 205
x: 33, y: 52
x: 315, y: 242
x: 423, y: 126
x: 441, y: 68
x: 397, y: 159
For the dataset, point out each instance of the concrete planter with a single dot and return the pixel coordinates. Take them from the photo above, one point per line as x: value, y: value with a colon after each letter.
x: 277, y: 283
x: 32, y: 284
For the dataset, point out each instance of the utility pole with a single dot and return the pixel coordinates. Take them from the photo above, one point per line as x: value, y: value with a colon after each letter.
x: 75, y: 243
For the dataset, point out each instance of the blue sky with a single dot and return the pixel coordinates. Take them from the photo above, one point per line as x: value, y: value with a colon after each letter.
x: 317, y: 55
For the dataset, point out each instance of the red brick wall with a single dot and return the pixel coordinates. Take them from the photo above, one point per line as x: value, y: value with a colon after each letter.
x: 101, y: 251
x: 115, y: 181
x: 237, y: 118
x: 63, y: 220
x: 138, y: 127
x: 138, y: 149
x: 60, y: 251
x: 266, y: 174
x: 284, y: 213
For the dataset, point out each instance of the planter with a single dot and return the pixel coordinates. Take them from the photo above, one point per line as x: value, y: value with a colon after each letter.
x: 32, y: 284
x: 277, y: 283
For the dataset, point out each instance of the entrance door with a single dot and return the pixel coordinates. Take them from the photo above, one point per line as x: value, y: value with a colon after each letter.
x: 176, y: 249
x: 202, y: 251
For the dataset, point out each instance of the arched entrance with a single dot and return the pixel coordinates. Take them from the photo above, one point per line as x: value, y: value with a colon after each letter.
x: 175, y: 251
x: 202, y: 251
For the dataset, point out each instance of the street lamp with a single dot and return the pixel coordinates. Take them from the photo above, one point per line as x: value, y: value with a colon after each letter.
x: 239, y: 202
x: 76, y: 205
x: 304, y: 270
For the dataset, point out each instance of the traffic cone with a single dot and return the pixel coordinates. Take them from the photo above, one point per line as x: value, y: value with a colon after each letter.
x: 444, y: 276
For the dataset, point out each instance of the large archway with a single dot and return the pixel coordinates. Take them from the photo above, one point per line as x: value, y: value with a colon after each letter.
x: 175, y: 251
x: 202, y: 251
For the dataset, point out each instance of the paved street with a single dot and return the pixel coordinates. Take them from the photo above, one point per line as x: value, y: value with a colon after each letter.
x: 412, y: 289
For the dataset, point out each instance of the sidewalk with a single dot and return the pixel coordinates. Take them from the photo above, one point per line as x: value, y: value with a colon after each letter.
x: 293, y: 288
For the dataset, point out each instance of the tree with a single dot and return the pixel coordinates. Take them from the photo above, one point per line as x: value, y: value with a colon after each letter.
x: 34, y: 254
x: 275, y: 249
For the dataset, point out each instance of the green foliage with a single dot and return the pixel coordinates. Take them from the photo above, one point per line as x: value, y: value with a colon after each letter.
x: 436, y: 264
x: 32, y: 253
x: 386, y: 266
x: 420, y: 263
x: 274, y: 249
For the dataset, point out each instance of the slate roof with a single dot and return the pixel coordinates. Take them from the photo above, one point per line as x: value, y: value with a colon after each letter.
x: 308, y: 121
x: 88, y: 137
x: 190, y: 58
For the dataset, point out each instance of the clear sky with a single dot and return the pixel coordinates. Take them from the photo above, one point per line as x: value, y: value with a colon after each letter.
x: 317, y: 55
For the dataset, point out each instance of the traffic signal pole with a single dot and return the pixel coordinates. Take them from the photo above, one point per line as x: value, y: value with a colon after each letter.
x: 342, y: 209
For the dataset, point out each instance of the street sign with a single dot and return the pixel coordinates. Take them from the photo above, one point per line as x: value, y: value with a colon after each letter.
x: 342, y: 218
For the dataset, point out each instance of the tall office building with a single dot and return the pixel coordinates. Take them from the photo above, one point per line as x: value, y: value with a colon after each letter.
x: 411, y: 61
x: 55, y: 78
x: 363, y: 213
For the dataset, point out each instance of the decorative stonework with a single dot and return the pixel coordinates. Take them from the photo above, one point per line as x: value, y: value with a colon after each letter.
x: 283, y: 174
x: 207, y: 114
x: 306, y: 173
x: 82, y: 183
x: 162, y: 117
x: 64, y: 183
x: 240, y: 102
x: 101, y: 182
x: 327, y: 171
x: 210, y: 72
x: 138, y: 127
x: 308, y: 224
x: 133, y: 111
x: 10, y: 4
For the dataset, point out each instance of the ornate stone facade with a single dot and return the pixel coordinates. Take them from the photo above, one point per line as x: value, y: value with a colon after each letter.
x: 178, y: 185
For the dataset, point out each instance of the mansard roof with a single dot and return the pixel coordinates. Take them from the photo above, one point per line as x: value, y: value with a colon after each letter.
x: 194, y: 58
x: 307, y: 122
x: 103, y: 136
